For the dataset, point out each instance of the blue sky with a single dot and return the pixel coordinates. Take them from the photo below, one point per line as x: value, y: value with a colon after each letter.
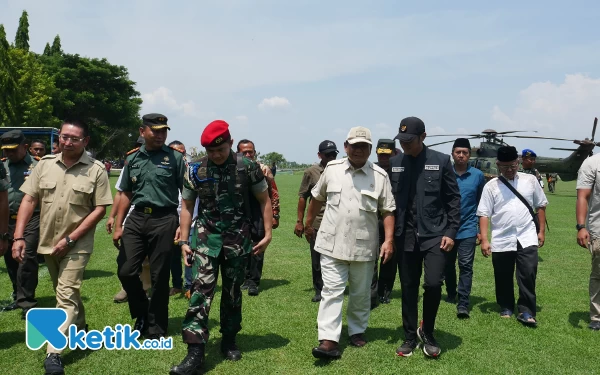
x: 291, y: 74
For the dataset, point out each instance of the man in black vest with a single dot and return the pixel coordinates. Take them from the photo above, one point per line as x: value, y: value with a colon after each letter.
x: 427, y: 219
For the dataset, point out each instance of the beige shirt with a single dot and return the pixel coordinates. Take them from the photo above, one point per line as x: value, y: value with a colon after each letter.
x: 588, y: 175
x: 66, y: 196
x: 349, y: 230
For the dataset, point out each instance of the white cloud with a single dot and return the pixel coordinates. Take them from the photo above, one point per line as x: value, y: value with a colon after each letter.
x: 242, y: 118
x: 462, y: 131
x: 275, y: 102
x: 163, y: 97
x: 566, y: 109
x: 436, y: 130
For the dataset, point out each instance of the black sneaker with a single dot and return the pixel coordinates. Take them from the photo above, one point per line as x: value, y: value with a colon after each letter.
x: 407, y: 348
x: 53, y: 365
x: 230, y: 350
x: 253, y: 290
x: 594, y: 325
x: 245, y: 285
x: 430, y: 346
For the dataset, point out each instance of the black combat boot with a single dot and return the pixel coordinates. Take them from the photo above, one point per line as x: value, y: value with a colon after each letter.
x: 192, y: 363
x: 230, y: 349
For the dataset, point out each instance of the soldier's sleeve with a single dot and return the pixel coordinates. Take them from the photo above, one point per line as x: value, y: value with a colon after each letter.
x: 31, y: 186
x: 586, y: 177
x: 102, y: 195
x: 258, y: 183
x: 126, y: 180
x: 4, y: 184
x: 304, y: 191
x: 451, y: 199
x: 188, y: 192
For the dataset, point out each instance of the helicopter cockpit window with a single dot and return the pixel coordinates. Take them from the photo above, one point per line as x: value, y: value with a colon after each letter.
x: 488, y: 164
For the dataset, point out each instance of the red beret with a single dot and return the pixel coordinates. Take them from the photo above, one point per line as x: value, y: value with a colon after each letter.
x: 215, y: 134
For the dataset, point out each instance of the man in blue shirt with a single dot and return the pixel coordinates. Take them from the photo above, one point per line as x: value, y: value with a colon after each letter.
x: 470, y: 183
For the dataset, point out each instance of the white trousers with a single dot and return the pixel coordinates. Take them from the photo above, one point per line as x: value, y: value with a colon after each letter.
x: 336, y: 273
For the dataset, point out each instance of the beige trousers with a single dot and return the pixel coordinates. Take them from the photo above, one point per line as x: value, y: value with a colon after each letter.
x: 67, y: 275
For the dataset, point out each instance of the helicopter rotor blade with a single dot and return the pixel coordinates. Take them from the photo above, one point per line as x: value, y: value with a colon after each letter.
x: 594, y: 129
x: 537, y: 137
x: 563, y: 149
x: 518, y: 131
x: 441, y: 143
x: 455, y: 135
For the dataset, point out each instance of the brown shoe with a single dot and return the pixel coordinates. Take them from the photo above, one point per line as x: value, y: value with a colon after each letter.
x: 120, y: 297
x: 175, y: 291
x: 358, y: 340
x: 188, y: 294
x: 327, y: 350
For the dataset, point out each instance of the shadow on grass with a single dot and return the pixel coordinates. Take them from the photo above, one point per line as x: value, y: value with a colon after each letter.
x: 89, y: 274
x: 10, y: 339
x: 246, y: 344
x: 575, y: 318
x: 494, y: 308
x: 75, y: 355
x: 266, y: 284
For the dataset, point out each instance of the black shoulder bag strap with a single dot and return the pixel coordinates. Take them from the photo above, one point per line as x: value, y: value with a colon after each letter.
x: 534, y: 216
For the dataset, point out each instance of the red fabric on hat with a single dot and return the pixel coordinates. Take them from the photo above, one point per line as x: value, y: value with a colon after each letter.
x: 215, y: 130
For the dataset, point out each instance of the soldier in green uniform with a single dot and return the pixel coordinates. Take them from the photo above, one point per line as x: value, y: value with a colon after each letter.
x: 4, y: 246
x: 24, y: 276
x: 152, y: 178
x: 527, y: 164
x: 224, y: 182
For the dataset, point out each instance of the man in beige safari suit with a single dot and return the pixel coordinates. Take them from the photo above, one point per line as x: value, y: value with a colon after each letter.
x: 73, y: 192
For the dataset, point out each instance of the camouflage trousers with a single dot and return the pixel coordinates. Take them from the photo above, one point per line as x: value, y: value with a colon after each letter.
x: 205, y: 272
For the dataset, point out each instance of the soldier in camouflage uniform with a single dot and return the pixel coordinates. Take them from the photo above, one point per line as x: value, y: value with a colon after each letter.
x: 222, y: 237
x: 527, y: 165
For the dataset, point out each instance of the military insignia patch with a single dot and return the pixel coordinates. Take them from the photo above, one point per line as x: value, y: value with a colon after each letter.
x: 403, y: 128
x: 166, y: 161
x: 219, y: 140
x: 361, y: 133
x: 134, y: 179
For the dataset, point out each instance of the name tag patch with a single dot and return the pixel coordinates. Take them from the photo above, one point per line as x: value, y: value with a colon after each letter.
x: 397, y: 169
x: 432, y: 167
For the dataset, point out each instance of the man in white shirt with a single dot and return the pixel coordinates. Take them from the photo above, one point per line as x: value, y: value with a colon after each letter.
x: 588, y: 228
x: 515, y: 240
x: 354, y: 190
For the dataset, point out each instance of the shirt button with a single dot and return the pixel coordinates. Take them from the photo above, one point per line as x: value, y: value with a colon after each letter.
x: 348, y: 211
x: 59, y: 208
x: 350, y: 198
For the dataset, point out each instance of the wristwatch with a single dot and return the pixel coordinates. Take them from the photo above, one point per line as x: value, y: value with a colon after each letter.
x: 70, y: 242
x: 181, y: 243
x: 580, y: 227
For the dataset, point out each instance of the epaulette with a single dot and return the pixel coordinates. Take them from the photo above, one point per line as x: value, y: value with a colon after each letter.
x: 337, y: 161
x: 378, y: 169
x: 132, y: 151
x: 37, y: 158
x: 51, y: 156
x: 176, y: 149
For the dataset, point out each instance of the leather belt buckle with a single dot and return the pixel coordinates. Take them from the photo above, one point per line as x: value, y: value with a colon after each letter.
x: 147, y: 210
x: 14, y: 217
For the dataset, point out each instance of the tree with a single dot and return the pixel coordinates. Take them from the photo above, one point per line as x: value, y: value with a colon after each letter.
x: 195, y: 153
x: 56, y: 48
x: 273, y: 158
x: 98, y: 93
x: 22, y: 37
x: 47, y: 50
x: 7, y: 82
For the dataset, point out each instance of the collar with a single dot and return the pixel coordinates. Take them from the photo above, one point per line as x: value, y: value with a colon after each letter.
x: 84, y: 158
x: 515, y: 179
x: 350, y: 167
x: 468, y: 171
x: 27, y: 160
x: 143, y: 149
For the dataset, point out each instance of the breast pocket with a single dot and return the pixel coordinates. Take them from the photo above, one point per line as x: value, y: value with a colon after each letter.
x: 334, y: 192
x: 82, y: 194
x: 325, y: 237
x: 48, y: 188
x: 368, y: 201
x: 431, y: 181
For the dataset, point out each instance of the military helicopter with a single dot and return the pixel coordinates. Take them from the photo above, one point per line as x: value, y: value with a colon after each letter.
x: 484, y: 156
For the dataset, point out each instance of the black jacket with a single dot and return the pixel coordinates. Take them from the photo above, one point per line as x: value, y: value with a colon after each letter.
x: 437, y: 195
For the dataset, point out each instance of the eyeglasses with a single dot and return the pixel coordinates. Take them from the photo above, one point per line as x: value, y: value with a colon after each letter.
x: 65, y: 138
x: 508, y: 167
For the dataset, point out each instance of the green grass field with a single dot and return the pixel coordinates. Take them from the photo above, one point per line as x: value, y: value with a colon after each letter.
x: 279, y: 325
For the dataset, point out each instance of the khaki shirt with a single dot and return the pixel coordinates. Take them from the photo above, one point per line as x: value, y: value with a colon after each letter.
x: 349, y: 229
x: 587, y: 178
x: 66, y: 196
x: 309, y: 180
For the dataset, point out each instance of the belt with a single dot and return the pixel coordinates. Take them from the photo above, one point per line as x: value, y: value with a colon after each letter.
x: 155, y: 210
x: 13, y: 217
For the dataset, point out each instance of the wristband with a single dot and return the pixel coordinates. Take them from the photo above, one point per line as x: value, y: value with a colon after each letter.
x: 19, y: 239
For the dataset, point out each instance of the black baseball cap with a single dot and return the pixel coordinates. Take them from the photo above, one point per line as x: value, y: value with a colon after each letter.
x: 410, y: 128
x: 386, y: 146
x: 12, y: 139
x: 327, y: 146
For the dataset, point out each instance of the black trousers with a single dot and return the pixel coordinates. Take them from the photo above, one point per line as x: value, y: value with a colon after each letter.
x: 526, y: 262
x: 148, y: 235
x: 412, y: 263
x: 24, y: 276
x: 254, y: 267
x: 387, y: 274
x: 315, y: 257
